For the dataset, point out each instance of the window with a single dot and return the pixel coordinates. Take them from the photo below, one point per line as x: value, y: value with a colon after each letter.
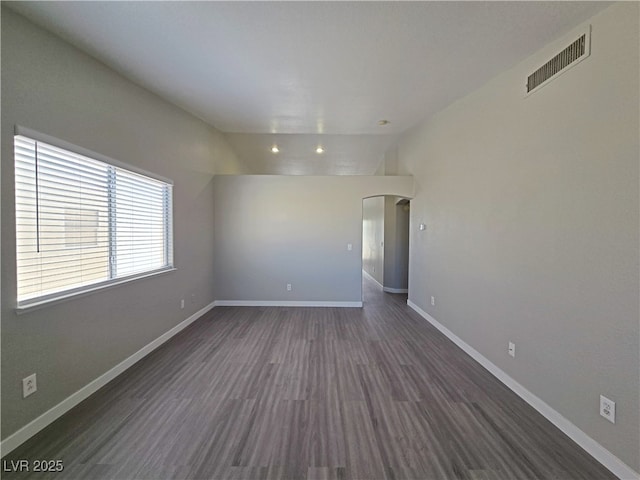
x: 82, y: 223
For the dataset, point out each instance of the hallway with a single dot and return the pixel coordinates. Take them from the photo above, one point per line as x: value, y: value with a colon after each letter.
x: 372, y: 294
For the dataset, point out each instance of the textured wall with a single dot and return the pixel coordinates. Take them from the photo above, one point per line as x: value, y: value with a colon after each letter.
x: 272, y: 230
x: 531, y: 206
x: 49, y: 86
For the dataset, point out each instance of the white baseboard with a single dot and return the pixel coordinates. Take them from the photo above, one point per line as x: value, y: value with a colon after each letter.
x: 370, y: 277
x: 282, y: 303
x: 593, y: 448
x: 384, y: 289
x: 25, y: 433
x: 395, y: 290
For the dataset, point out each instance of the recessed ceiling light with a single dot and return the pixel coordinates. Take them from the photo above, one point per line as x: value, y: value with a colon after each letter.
x: 319, y: 150
x: 383, y: 122
x: 275, y: 149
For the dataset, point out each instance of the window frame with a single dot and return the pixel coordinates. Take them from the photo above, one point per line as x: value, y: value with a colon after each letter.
x: 70, y: 293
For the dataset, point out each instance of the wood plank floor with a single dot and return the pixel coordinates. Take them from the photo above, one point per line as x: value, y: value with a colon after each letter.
x: 315, y: 393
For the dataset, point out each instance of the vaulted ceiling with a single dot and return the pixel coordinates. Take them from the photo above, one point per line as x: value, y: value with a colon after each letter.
x: 306, y: 74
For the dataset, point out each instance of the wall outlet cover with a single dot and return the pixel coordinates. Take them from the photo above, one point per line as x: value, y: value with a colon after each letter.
x: 29, y: 385
x: 608, y: 408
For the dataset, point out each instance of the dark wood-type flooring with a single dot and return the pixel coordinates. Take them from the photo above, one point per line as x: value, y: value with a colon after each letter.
x: 315, y: 393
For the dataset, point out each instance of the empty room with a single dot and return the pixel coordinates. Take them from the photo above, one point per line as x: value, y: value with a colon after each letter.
x: 320, y: 240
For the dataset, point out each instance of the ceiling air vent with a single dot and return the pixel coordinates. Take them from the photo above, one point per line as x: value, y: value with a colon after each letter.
x: 567, y: 58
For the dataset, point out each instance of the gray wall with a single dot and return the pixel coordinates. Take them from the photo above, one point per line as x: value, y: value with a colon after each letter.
x: 51, y: 87
x: 274, y: 230
x: 396, y: 244
x: 531, y: 206
x: 373, y: 233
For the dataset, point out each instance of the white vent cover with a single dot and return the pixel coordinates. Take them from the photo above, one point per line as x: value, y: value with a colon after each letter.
x: 567, y: 58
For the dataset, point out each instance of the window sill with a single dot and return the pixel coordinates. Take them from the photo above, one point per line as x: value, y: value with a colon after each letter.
x: 36, y: 304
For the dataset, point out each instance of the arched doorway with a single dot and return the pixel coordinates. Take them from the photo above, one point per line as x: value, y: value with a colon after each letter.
x: 385, y: 245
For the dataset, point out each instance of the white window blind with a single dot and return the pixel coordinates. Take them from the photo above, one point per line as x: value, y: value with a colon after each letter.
x: 81, y: 222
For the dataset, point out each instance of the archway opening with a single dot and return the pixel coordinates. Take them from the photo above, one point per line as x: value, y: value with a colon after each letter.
x: 385, y: 247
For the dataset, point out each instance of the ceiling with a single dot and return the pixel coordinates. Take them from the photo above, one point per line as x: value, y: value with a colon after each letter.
x: 303, y: 74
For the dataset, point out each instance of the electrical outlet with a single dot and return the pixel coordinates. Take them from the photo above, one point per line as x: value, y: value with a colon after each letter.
x: 433, y: 301
x: 349, y: 246
x: 193, y: 298
x: 512, y: 349
x: 288, y: 287
x: 608, y: 409
x: 29, y: 385
x: 182, y: 304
